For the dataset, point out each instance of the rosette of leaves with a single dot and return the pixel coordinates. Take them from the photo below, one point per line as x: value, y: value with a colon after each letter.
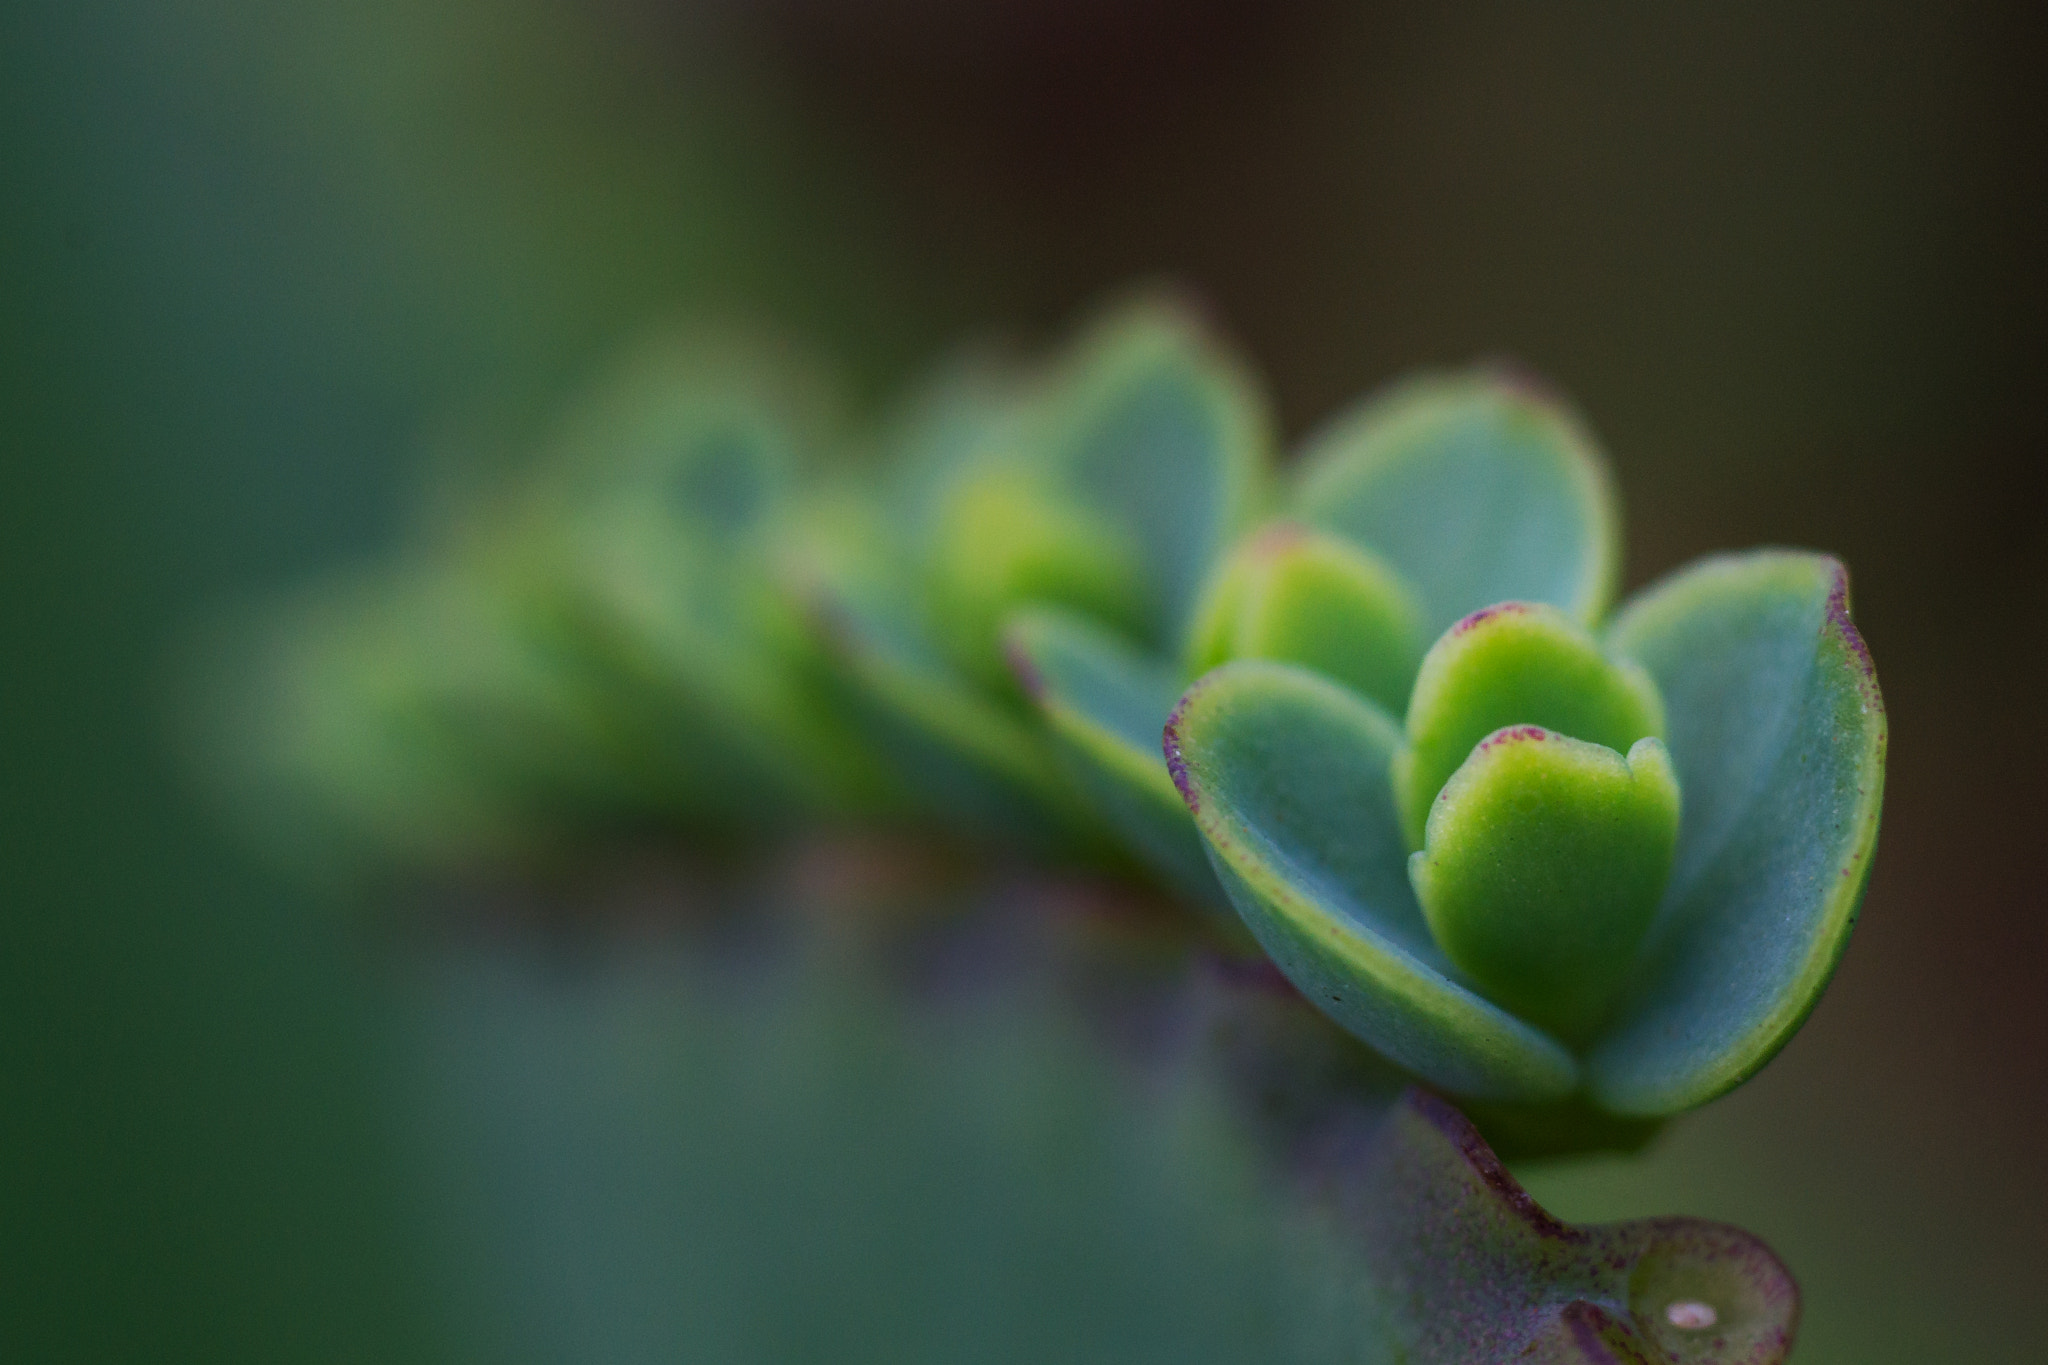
x: 1585, y: 873
x: 1443, y: 495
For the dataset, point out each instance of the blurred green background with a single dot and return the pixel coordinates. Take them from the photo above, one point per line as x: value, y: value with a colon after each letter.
x: 1788, y: 257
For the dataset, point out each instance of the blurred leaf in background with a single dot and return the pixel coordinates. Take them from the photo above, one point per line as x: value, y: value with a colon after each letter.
x: 1787, y: 256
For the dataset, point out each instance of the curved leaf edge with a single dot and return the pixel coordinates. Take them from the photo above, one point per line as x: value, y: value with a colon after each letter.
x: 1457, y: 1220
x: 1026, y: 637
x: 1318, y: 466
x: 1125, y: 782
x: 1842, y: 646
x: 997, y: 747
x: 1327, y: 954
x: 1137, y: 335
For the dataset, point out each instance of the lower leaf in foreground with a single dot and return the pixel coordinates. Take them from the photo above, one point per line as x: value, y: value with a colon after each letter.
x: 1455, y: 1230
x: 1022, y: 1123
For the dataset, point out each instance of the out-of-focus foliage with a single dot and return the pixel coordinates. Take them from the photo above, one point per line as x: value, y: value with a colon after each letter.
x: 906, y: 1122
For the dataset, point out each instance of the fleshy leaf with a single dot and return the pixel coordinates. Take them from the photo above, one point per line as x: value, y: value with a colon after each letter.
x: 1107, y: 703
x: 1285, y: 772
x: 1005, y: 1133
x: 972, y: 761
x: 700, y: 645
x: 343, y: 731
x: 487, y: 685
x: 968, y: 412
x: 1302, y: 597
x: 1446, y: 1223
x: 1518, y: 663
x: 640, y: 552
x: 1544, y: 862
x: 1777, y: 733
x: 1005, y: 539
x: 1477, y: 488
x: 645, y: 557
x: 1156, y: 427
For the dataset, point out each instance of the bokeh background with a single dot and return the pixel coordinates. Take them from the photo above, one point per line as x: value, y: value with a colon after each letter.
x: 1789, y: 258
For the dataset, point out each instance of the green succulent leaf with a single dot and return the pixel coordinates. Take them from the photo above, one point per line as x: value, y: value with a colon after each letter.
x: 974, y: 762
x: 530, y: 716
x: 1476, y: 488
x: 1285, y: 773
x: 709, y: 656
x: 1518, y: 663
x: 969, y: 411
x: 1543, y: 865
x: 1107, y: 702
x: 1006, y: 539
x: 346, y: 732
x: 643, y: 554
x: 1299, y: 596
x: 1777, y: 734
x: 1153, y: 425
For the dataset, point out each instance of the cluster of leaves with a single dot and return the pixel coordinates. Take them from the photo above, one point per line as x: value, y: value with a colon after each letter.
x: 1369, y: 715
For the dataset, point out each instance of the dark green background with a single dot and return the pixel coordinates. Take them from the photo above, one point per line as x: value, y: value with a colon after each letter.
x: 1788, y: 258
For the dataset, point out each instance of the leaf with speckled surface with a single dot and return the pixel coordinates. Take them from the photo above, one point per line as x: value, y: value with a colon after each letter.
x: 1489, y: 1276
x: 1777, y: 734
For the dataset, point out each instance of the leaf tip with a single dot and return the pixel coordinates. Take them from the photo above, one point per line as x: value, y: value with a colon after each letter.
x: 1518, y: 377
x: 1844, y: 627
x: 1473, y: 620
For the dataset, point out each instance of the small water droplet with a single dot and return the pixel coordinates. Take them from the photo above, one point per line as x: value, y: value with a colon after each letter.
x: 1690, y: 1315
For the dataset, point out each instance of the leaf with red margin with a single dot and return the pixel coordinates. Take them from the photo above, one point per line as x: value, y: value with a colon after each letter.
x: 1778, y: 736
x: 1470, y: 1268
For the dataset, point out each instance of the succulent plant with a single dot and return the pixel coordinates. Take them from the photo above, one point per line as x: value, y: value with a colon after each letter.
x: 1608, y: 873
x: 1580, y: 873
x: 1370, y: 715
x: 1583, y: 874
